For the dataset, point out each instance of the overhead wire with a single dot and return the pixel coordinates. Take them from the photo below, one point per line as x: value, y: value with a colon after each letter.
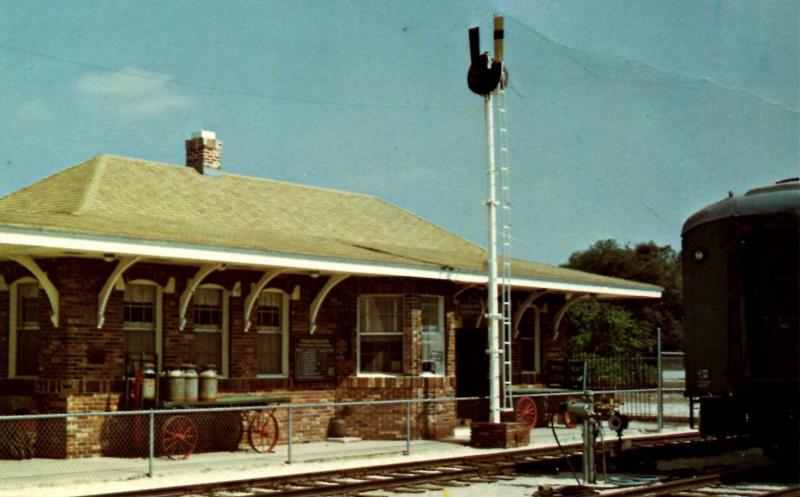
x: 219, y: 89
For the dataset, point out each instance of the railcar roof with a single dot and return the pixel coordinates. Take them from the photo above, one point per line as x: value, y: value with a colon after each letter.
x: 773, y: 199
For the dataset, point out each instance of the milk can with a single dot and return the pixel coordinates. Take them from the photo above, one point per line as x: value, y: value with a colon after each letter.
x: 177, y: 385
x: 208, y: 384
x: 190, y: 383
x: 149, y: 382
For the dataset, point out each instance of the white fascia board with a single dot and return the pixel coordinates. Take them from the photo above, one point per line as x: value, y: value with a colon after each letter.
x: 199, y: 253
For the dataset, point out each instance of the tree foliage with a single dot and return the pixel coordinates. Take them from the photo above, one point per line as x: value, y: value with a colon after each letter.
x: 628, y: 326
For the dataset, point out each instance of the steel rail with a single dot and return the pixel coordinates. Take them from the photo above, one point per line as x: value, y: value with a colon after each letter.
x: 793, y: 491
x: 466, y: 469
x: 697, y: 482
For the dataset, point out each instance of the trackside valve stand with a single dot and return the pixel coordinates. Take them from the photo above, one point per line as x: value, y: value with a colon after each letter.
x: 485, y: 76
x: 584, y: 410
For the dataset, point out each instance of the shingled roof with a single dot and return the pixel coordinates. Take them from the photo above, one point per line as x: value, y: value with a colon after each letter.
x: 125, y: 198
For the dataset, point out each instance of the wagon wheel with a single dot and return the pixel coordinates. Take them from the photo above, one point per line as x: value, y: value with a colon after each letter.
x: 263, y: 431
x: 569, y: 419
x: 527, y: 412
x: 179, y: 437
x: 228, y: 430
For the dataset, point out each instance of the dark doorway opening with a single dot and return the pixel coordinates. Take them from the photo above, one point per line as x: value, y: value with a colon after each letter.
x: 472, y: 373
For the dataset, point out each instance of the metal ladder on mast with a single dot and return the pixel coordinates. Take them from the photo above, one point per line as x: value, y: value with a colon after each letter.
x: 507, y: 402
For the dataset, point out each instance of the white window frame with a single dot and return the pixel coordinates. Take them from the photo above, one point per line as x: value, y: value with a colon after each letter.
x: 536, y: 339
x: 283, y: 331
x: 13, y: 305
x: 159, y: 321
x: 442, y: 325
x: 359, y: 333
x: 225, y: 325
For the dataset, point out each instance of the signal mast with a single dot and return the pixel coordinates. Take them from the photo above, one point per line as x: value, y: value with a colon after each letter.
x: 487, y: 77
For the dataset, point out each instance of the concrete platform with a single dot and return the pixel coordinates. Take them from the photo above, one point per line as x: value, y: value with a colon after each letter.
x: 84, y: 477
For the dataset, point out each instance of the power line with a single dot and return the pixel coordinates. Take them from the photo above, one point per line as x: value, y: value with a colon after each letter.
x: 230, y: 91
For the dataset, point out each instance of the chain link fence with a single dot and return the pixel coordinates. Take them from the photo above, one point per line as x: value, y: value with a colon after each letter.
x: 101, y: 446
x: 127, y: 444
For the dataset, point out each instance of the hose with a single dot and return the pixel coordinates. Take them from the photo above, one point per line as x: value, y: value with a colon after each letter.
x: 563, y: 453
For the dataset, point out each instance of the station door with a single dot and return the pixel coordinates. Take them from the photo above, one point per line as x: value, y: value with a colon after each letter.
x: 472, y: 373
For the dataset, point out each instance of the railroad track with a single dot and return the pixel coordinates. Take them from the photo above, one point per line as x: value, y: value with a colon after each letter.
x: 713, y: 485
x: 410, y: 477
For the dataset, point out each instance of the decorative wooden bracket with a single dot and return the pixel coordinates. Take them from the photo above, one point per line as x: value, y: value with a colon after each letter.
x: 533, y: 297
x: 572, y: 299
x: 188, y: 292
x: 254, y: 292
x: 44, y: 282
x: 105, y: 292
x: 317, y: 302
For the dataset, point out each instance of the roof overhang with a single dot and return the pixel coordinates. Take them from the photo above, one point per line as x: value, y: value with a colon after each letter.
x: 77, y: 244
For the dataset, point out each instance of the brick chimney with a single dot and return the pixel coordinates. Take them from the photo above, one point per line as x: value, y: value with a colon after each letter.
x: 203, y: 151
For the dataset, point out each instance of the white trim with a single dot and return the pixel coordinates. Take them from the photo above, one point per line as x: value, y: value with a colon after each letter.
x: 283, y: 332
x: 44, y: 283
x: 224, y: 327
x: 167, y: 250
x: 105, y: 292
x: 159, y: 330
x: 13, y: 306
x: 443, y: 330
x: 383, y: 375
x: 536, y: 339
x: 401, y: 333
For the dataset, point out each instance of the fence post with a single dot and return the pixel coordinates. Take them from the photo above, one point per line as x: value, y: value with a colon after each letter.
x: 408, y: 427
x: 289, y: 436
x: 151, y: 445
x: 660, y: 381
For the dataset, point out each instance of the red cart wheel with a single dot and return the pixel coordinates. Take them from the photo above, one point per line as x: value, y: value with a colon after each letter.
x: 527, y: 412
x: 179, y: 437
x: 263, y: 431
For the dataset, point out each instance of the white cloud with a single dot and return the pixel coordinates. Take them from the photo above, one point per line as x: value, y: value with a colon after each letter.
x: 133, y: 92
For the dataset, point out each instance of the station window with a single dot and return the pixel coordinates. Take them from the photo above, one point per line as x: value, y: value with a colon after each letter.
x: 273, y: 333
x: 380, y: 334
x: 528, y: 334
x: 432, y: 334
x: 26, y: 330
x: 210, y: 328
x: 139, y: 320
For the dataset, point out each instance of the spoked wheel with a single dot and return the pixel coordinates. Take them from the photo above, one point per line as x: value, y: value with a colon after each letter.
x: 527, y: 412
x: 263, y: 431
x: 179, y: 437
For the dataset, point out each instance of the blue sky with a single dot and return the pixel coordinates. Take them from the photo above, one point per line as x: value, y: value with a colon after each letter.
x: 624, y: 117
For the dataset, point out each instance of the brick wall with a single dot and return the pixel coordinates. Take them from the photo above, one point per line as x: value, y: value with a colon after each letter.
x: 82, y: 367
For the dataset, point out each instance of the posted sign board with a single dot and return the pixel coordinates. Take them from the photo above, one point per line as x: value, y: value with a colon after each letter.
x: 314, y: 359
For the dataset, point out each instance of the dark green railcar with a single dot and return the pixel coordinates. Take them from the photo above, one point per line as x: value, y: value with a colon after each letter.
x: 742, y: 329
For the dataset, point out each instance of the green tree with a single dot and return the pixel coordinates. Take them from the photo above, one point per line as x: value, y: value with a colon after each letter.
x: 628, y: 326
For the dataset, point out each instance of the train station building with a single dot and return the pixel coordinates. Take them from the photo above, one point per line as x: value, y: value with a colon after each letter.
x: 282, y: 289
